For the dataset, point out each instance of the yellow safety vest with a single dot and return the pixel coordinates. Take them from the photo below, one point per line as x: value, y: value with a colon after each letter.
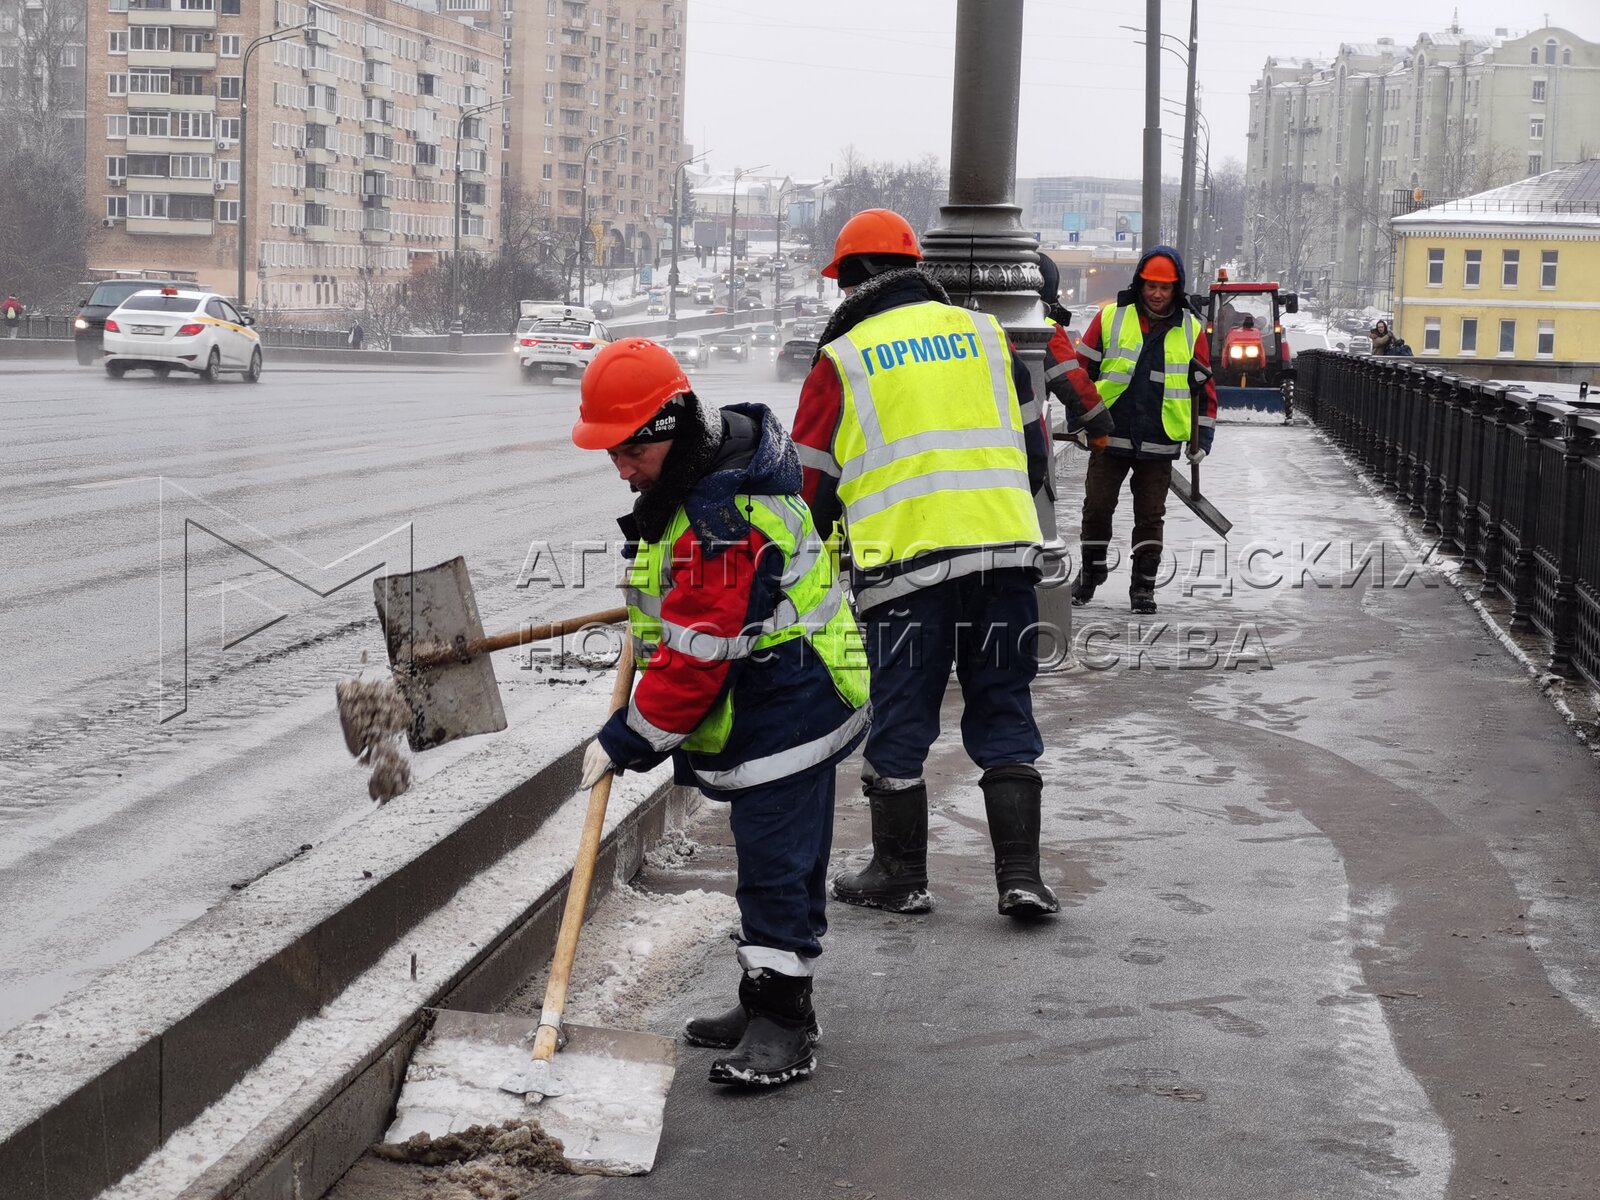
x: 812, y: 607
x: 929, y: 445
x: 1123, y: 339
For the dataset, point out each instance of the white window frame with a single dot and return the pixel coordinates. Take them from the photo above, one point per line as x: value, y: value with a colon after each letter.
x: 1510, y: 269
x: 1468, y: 262
x: 1431, y: 335
x: 1466, y: 349
x: 1545, y: 346
x: 116, y: 41
x: 1435, y: 266
x: 1549, y: 265
x: 117, y: 83
x: 116, y: 127
x: 117, y: 206
x: 228, y: 45
x: 1501, y: 351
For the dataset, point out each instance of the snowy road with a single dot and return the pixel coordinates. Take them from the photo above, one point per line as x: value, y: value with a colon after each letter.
x: 129, y: 804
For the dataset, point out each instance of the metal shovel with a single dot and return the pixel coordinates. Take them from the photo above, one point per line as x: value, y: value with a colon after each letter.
x: 1188, y: 490
x: 439, y: 654
x: 602, y: 1092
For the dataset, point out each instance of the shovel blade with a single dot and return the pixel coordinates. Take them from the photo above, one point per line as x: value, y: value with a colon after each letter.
x: 613, y: 1087
x: 435, y: 606
x: 1198, y: 505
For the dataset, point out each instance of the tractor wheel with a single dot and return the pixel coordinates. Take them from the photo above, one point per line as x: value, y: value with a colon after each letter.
x: 1287, y: 388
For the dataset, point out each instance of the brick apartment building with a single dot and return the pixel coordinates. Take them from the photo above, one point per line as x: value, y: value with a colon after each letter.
x: 579, y: 72
x: 356, y: 121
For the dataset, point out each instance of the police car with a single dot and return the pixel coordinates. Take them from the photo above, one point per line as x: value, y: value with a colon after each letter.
x: 179, y: 329
x: 565, y: 345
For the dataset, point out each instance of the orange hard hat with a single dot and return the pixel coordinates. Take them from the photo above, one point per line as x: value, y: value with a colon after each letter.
x: 625, y: 385
x: 873, y: 231
x: 1158, y: 268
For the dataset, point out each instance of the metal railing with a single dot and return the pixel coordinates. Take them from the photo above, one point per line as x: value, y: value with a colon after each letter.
x: 39, y: 325
x: 1508, y: 479
x: 313, y: 339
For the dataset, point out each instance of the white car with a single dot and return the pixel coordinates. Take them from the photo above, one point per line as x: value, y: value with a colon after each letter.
x: 177, y: 329
x: 565, y: 346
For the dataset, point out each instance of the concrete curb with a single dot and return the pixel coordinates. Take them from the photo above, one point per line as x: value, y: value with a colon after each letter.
x: 102, y: 1080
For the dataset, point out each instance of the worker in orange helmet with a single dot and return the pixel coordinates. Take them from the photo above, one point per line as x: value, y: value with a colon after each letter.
x: 1147, y: 356
x: 921, y: 438
x: 752, y: 675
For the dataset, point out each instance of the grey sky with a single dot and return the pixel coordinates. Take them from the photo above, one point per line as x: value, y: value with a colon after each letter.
x: 773, y: 81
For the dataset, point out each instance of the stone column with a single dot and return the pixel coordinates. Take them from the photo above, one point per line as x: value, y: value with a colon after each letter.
x: 982, y: 255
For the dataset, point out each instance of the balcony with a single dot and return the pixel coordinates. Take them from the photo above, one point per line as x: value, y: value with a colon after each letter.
x: 174, y: 60
x: 175, y: 18
x: 375, y: 237
x: 173, y: 187
x: 322, y: 77
x: 321, y: 233
x: 170, y: 145
x: 165, y: 228
x: 190, y: 103
x: 377, y: 91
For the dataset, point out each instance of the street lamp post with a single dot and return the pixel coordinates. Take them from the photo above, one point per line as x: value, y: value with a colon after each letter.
x: 777, y: 236
x: 733, y: 231
x: 583, y: 203
x: 677, y: 224
x: 457, y: 324
x: 244, y: 136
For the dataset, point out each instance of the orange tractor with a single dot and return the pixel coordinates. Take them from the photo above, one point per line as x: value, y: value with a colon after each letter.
x: 1249, y: 353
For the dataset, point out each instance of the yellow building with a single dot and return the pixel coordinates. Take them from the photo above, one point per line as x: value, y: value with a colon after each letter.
x: 1507, y: 273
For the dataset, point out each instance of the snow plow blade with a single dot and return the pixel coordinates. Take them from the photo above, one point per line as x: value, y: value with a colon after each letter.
x: 1250, y: 399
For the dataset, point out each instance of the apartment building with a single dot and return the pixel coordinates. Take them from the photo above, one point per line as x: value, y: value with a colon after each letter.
x: 1508, y: 273
x: 577, y: 74
x: 1338, y: 145
x: 361, y: 129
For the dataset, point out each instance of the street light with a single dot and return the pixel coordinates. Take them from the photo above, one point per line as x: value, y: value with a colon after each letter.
x: 777, y: 237
x: 583, y: 203
x: 244, y: 133
x: 677, y: 224
x: 457, y: 324
x: 733, y: 228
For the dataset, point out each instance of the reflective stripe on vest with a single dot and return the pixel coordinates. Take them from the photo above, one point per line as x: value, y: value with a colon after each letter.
x: 930, y: 438
x: 811, y: 606
x: 1123, y: 342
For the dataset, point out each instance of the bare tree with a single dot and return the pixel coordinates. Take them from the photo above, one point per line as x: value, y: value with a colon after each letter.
x: 914, y: 189
x: 1291, y: 230
x: 41, y: 154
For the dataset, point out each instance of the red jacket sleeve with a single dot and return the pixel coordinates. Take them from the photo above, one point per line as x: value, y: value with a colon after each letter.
x: 713, y: 598
x: 1200, y: 377
x: 1069, y: 382
x: 816, y: 421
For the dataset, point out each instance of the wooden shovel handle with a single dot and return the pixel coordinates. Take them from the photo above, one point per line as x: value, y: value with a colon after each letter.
x: 555, y: 991
x: 520, y: 637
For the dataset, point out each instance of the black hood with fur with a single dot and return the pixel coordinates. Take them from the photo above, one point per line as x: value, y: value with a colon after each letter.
x: 908, y: 285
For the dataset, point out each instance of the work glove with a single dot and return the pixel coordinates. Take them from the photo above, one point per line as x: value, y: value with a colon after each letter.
x: 596, y: 762
x: 1196, y: 456
x: 1094, y: 443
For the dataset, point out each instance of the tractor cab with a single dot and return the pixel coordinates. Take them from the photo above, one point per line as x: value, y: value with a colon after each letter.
x: 1249, y: 352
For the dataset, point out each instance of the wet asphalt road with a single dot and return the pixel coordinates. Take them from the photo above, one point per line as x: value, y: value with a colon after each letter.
x: 128, y: 805
x: 1329, y: 926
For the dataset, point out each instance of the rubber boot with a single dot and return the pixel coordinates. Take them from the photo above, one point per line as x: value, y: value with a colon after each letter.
x: 1142, y: 592
x: 1011, y: 797
x: 1090, y: 576
x: 775, y: 1046
x: 722, y: 1031
x: 896, y: 878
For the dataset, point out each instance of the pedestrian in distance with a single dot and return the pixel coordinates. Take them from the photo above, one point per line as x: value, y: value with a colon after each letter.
x: 752, y: 674
x: 12, y: 311
x: 1147, y: 355
x: 357, y: 335
x: 920, y: 435
x: 1382, y: 339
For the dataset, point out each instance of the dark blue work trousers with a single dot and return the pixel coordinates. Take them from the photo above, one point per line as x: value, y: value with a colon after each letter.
x: 983, y: 624
x: 783, y: 832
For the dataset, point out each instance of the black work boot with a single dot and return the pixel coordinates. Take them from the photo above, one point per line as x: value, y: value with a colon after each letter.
x: 723, y: 1031
x: 1142, y: 592
x: 1011, y: 798
x: 897, y: 876
x: 776, y: 1044
x: 1090, y: 575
